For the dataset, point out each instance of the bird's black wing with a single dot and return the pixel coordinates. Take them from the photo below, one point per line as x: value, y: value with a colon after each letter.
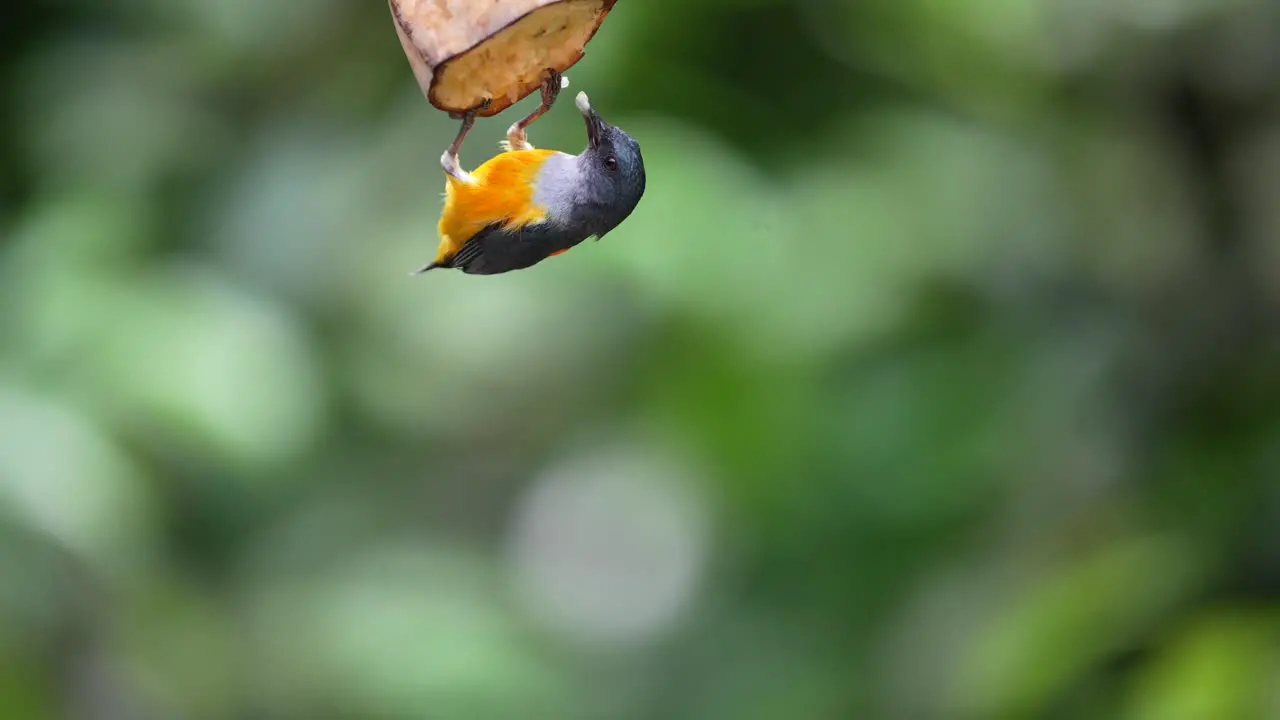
x: 496, y: 249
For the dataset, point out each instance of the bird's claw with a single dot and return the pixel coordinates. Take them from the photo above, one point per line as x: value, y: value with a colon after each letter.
x: 551, y: 86
x: 517, y: 138
x: 449, y: 161
x: 484, y: 105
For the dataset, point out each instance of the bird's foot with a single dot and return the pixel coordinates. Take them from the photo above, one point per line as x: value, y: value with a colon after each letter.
x: 449, y: 161
x: 517, y: 137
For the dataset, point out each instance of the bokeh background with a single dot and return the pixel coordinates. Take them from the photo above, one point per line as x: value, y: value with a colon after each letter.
x: 936, y: 375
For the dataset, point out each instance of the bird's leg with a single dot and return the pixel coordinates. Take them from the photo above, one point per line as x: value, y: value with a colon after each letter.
x: 551, y: 86
x: 449, y: 161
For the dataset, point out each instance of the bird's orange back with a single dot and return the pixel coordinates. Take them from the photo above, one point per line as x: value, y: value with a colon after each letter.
x: 500, y: 191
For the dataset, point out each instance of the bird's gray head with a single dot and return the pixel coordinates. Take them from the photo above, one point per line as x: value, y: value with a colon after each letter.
x: 614, y: 171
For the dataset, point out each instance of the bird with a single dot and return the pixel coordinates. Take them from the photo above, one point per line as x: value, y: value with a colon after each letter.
x: 527, y: 204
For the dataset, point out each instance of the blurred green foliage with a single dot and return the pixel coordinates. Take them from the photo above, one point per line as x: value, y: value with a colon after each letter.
x: 936, y: 376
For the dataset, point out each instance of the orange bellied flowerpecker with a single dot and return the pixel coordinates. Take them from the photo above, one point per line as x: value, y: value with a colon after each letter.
x: 526, y: 204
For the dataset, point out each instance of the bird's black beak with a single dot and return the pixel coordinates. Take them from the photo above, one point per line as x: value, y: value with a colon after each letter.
x: 595, y: 124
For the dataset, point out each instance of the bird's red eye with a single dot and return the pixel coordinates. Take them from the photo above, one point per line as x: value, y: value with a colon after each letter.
x: 611, y: 162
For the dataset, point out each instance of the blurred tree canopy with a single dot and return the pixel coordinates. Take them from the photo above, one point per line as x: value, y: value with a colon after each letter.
x: 934, y: 377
